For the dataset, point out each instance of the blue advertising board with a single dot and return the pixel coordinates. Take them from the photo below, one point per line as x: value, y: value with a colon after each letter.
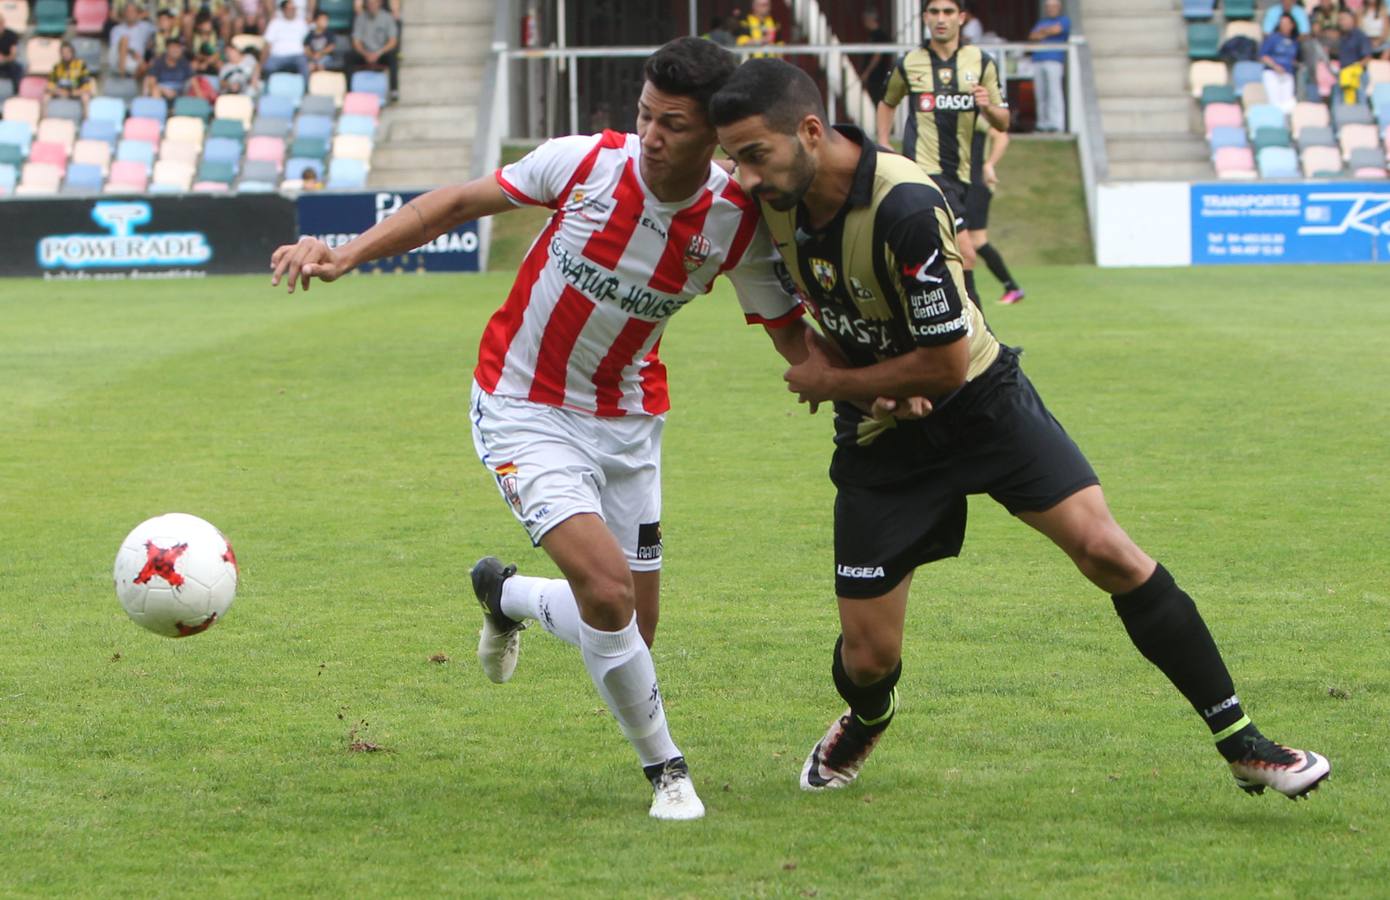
x: 1290, y: 223
x: 336, y: 219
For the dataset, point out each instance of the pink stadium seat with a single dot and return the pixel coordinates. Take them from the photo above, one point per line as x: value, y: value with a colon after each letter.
x: 48, y: 152
x: 16, y: 13
x: 1379, y: 70
x: 22, y: 109
x: 58, y: 131
x: 1321, y: 161
x: 41, y: 177
x: 211, y: 187
x: 1307, y: 115
x: 1234, y: 162
x: 1369, y: 174
x: 90, y: 15
x: 358, y: 103
x: 43, y: 54
x: 130, y: 176
x: 179, y: 151
x: 1222, y: 115
x: 141, y: 130
x: 270, y: 149
x: 32, y: 86
x: 97, y: 153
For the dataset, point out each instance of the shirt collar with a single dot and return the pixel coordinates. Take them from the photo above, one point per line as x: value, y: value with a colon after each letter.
x: 861, y: 189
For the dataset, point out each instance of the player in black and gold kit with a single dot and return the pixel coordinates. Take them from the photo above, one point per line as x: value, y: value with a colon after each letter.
x: 867, y: 241
x: 947, y: 86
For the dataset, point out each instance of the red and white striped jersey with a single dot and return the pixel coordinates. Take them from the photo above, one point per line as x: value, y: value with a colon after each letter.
x: 583, y: 322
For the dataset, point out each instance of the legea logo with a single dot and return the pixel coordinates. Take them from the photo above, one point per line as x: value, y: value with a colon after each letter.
x: 122, y: 248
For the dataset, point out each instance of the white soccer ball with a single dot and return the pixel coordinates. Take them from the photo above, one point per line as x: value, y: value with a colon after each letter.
x: 175, y: 575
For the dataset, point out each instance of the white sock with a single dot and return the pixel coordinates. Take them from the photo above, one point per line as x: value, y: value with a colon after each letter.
x: 621, y: 666
x: 547, y: 600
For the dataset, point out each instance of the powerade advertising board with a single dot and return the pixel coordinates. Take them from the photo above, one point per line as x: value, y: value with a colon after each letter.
x: 1290, y: 223
x: 142, y: 237
x: 336, y: 219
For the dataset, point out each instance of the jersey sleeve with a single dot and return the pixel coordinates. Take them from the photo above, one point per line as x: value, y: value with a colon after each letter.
x: 989, y: 77
x: 539, y: 177
x: 934, y: 307
x: 896, y: 89
x: 765, y: 290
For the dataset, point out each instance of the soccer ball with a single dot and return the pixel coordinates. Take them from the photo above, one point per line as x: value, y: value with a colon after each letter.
x: 175, y: 575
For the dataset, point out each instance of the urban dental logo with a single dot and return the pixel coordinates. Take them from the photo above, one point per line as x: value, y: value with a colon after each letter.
x: 122, y: 248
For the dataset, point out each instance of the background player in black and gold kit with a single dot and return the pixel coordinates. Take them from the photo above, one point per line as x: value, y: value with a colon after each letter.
x: 947, y: 87
x: 867, y: 239
x: 987, y: 149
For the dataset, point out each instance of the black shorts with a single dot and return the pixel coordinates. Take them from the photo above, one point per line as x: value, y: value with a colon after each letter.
x: 957, y: 196
x: 977, y: 207
x: 901, y: 502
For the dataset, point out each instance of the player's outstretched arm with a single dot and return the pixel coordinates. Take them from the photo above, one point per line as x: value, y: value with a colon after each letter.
x: 418, y: 222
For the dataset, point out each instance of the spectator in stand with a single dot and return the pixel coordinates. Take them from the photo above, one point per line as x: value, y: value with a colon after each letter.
x: 1353, y: 55
x: 70, y: 79
x: 222, y: 13
x: 973, y: 30
x: 1270, y: 23
x: 374, y: 38
x: 1279, y: 53
x: 168, y: 74
x: 167, y: 28
x: 241, y: 73
x: 206, y: 46
x: 874, y: 75
x: 723, y: 30
x: 130, y: 43
x: 1376, y: 26
x: 249, y: 17
x: 1324, y: 17
x: 758, y: 28
x: 284, y: 38
x: 1050, y: 66
x: 319, y: 45
x: 115, y: 15
x: 394, y: 6
x: 309, y: 180
x: 9, y: 55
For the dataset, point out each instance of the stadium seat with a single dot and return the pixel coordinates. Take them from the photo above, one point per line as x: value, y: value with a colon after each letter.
x: 227, y: 128
x: 40, y: 177
x: 1218, y: 93
x: 311, y: 148
x: 1366, y: 158
x: 100, y: 130
x: 6, y: 89
x: 347, y: 174
x: 8, y: 178
x: 55, y: 155
x: 1245, y: 29
x: 275, y: 107
x: 193, y: 107
x: 339, y: 13
x: 214, y: 170
x: 57, y: 131
x: 313, y: 127
x: 211, y: 187
x: 1198, y: 9
x: 16, y: 13
x: 297, y: 164
x: 266, y: 149
x: 139, y: 152
x: 90, y: 15
x: 363, y: 125
x: 21, y: 109
x: 138, y: 129
x: 1219, y: 115
x: 328, y: 84
x: 1321, y: 162
x: 1246, y: 72
x: 96, y: 153
x: 1378, y: 70
x: 12, y: 154
x: 1264, y: 117
x: 316, y: 105
x: 64, y: 108
x: 255, y: 187
x: 1277, y: 162
x: 85, y: 177
x: 1272, y: 137
x: 1316, y: 136
x: 359, y: 103
x: 174, y: 173
x: 286, y: 84
x: 369, y: 82
x: 1356, y: 137
x: 110, y: 109
x: 51, y: 17
x: 1226, y: 136
x: 91, y: 51
x: 1203, y: 42
x: 32, y: 87
x: 267, y: 126
x: 1234, y: 163
x: 1306, y: 114
x: 17, y: 132
x: 149, y: 108
x: 264, y: 170
x: 42, y: 54
x: 352, y: 146
x: 179, y: 151
x: 127, y: 177
x: 223, y: 150
x: 121, y: 88
x: 243, y: 42
x: 187, y: 129
x: 1239, y: 9
x: 1253, y: 94
x: 1344, y: 114
x: 1380, y: 103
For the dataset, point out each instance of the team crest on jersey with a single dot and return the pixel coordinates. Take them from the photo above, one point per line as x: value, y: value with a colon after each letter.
x: 506, y: 480
x: 968, y: 77
x: 696, y: 252
x: 943, y: 76
x: 824, y: 272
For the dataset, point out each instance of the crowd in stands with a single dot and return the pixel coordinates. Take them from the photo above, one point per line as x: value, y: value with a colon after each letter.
x: 168, y: 96
x: 1295, y: 89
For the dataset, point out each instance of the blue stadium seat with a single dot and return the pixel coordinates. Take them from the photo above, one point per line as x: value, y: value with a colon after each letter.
x: 260, y: 170
x: 12, y: 155
x: 318, y: 105
x: 347, y: 174
x: 297, y: 164
x: 339, y: 14
x: 51, y: 18
x: 255, y: 187
x: 1351, y: 114
x: 1238, y: 9
x: 214, y: 170
x: 1246, y: 72
x: 1228, y: 137
x: 149, y: 108
x: 86, y: 176
x: 1203, y: 42
x: 20, y: 134
x: 64, y: 108
x: 271, y: 127
x: 288, y: 85
x: 313, y: 148
x: 1380, y: 102
x: 194, y: 107
x: 8, y: 178
x: 1278, y: 162
x: 136, y: 151
x: 369, y: 82
x: 1219, y: 93
x: 275, y: 107
x: 314, y: 127
x: 222, y: 150
x: 164, y: 188
x: 110, y: 109
x: 100, y: 130
x: 1198, y: 9
x: 1272, y: 137
x: 1316, y: 136
x: 227, y: 128
x: 364, y: 125
x: 123, y: 88
x: 1264, y: 115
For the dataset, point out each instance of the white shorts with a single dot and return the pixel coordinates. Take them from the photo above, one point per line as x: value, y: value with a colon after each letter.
x: 551, y: 463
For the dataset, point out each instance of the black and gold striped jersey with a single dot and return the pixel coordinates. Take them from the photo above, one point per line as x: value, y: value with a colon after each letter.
x: 941, y: 106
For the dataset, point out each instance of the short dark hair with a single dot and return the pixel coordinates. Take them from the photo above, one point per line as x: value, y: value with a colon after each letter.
x: 959, y: 4
x: 772, y: 88
x: 690, y: 67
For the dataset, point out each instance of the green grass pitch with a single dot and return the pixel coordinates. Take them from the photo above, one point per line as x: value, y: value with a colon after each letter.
x: 1238, y: 419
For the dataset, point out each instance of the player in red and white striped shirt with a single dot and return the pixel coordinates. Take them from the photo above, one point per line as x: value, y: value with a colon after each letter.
x: 569, y: 392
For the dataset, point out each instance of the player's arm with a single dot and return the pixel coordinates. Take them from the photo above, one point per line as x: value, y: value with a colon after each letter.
x: 998, y: 144
x: 921, y: 372
x: 415, y: 224
x: 989, y: 99
x: 893, y: 93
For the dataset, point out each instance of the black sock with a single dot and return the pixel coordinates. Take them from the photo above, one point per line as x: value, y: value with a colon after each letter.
x: 997, y: 267
x: 970, y: 287
x: 872, y: 705
x: 1164, y: 624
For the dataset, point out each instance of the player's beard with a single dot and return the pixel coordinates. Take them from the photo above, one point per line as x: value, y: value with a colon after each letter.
x: 802, y: 173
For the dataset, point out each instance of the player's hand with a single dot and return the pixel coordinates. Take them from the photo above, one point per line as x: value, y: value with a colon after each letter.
x: 991, y: 177
x: 981, y: 97
x: 890, y: 407
x: 810, y: 379
x: 310, y: 258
